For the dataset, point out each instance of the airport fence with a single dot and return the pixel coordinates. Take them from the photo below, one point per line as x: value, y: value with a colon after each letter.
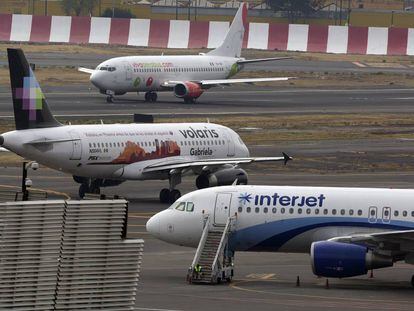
x: 202, y: 34
x: 67, y: 255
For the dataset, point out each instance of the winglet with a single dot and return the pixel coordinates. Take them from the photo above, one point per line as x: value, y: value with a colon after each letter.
x: 286, y: 158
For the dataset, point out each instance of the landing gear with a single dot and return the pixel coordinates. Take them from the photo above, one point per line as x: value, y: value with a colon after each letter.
x: 167, y: 196
x: 189, y: 101
x: 89, y: 186
x: 171, y: 194
x: 109, y: 99
x: 412, y: 281
x: 151, y: 96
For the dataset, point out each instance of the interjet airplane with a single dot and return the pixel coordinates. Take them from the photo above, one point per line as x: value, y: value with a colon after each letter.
x: 187, y: 76
x: 346, y: 231
x: 109, y: 154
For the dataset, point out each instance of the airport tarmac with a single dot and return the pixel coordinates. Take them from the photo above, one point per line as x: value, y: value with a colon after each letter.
x: 263, y: 281
x: 78, y: 100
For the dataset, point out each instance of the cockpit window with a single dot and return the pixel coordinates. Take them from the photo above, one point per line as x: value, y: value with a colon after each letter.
x: 106, y: 68
x: 190, y: 207
x: 180, y: 206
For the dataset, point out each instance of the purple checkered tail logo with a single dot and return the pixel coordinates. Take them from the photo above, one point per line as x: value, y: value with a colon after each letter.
x: 31, y: 96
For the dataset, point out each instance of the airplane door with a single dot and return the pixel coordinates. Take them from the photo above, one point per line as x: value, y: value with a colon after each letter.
x: 76, y: 146
x: 231, y: 151
x: 128, y: 71
x: 372, y: 214
x: 222, y: 209
x: 386, y: 215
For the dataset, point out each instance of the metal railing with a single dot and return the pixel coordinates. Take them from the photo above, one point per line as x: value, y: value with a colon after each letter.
x: 223, y: 243
x: 206, y: 220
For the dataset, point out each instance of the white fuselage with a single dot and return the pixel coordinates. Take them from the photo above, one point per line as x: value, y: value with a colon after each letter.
x: 122, y: 151
x: 285, y: 218
x: 149, y: 73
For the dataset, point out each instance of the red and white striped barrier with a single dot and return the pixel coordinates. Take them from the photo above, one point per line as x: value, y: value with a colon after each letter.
x: 186, y: 34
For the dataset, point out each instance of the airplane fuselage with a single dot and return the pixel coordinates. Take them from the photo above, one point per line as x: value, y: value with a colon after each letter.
x: 149, y: 73
x: 122, y: 151
x: 285, y: 218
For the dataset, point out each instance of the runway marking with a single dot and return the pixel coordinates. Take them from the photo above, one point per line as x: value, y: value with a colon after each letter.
x: 136, y: 225
x: 236, y: 286
x: 153, y: 309
x: 135, y: 232
x: 144, y: 217
x: 359, y: 64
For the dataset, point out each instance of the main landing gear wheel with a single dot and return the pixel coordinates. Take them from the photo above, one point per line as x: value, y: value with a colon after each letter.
x: 83, y: 189
x: 174, y: 195
x: 151, y: 97
x: 165, y: 195
x: 110, y: 99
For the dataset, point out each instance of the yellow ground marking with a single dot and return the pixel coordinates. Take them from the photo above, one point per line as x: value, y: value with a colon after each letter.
x: 237, y: 285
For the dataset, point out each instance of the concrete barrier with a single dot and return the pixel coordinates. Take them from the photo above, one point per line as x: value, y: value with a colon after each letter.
x: 202, y: 34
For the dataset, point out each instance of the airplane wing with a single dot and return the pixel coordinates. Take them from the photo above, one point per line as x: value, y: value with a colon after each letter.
x: 86, y: 70
x: 210, y: 83
x: 212, y: 163
x: 4, y: 149
x: 401, y: 241
x: 259, y: 60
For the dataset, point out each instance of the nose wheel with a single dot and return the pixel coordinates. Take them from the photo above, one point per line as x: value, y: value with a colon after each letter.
x: 169, y: 196
x: 151, y: 97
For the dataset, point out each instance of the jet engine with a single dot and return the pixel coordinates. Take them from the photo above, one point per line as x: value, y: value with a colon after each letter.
x: 188, y: 90
x: 341, y: 260
x: 222, y: 178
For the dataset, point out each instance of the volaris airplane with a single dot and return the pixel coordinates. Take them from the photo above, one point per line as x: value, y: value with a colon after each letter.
x: 188, y: 76
x: 108, y: 154
x: 346, y: 231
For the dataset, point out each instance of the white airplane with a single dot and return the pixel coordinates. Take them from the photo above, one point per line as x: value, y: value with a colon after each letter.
x: 108, y: 154
x: 188, y: 76
x: 346, y: 231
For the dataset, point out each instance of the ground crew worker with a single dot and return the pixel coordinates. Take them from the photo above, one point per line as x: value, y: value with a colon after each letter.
x: 198, y: 271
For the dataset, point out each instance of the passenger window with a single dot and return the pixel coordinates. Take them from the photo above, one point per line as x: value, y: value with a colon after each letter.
x: 308, y: 211
x: 342, y: 212
x: 181, y: 206
x: 412, y: 214
x: 351, y: 212
x: 265, y: 210
x: 359, y: 212
x: 240, y: 209
x: 405, y: 213
x: 300, y: 211
x: 248, y: 209
x: 257, y: 210
x: 396, y: 213
x: 317, y: 211
x: 282, y: 210
x: 334, y: 212
x: 274, y: 210
x: 325, y: 212
x: 190, y: 206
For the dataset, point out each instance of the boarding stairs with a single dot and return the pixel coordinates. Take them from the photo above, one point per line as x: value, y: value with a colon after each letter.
x: 212, y: 255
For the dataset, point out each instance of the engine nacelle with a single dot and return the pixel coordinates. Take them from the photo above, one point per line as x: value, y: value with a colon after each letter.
x: 222, y: 178
x: 188, y: 90
x: 341, y: 260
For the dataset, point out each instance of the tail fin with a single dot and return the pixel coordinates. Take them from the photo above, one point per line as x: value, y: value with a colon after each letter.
x: 29, y: 103
x: 233, y: 41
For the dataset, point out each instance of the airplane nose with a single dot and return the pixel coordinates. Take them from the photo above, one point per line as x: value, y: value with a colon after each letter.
x: 93, y: 79
x: 153, y: 225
